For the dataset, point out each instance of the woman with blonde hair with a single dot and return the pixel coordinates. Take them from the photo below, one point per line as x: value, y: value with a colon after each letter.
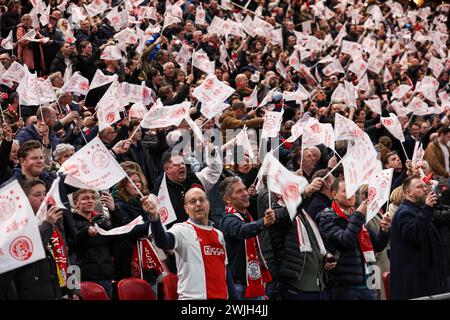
x: 129, y: 201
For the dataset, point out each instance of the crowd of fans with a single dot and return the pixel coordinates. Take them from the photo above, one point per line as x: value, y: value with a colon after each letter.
x: 258, y: 251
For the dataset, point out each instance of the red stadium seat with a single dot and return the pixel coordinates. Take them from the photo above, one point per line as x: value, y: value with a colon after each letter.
x: 169, y: 286
x: 93, y: 291
x: 135, y: 289
x: 387, y: 284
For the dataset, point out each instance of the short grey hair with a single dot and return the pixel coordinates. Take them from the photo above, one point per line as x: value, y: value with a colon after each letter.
x: 225, y: 186
x: 61, y: 149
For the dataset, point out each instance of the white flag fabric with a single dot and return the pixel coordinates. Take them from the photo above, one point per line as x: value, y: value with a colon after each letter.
x: 351, y: 48
x: 296, y: 131
x: 294, y: 60
x: 93, y: 167
x: 374, y: 105
x: 210, y: 110
x: 419, y: 107
x: 28, y: 90
x: 164, y: 205
x: 120, y: 230
x: 15, y: 72
x: 77, y: 83
x: 183, y: 57
x: 360, y: 164
x: 96, y: 7
x: 109, y: 107
x: 267, y: 98
x: 201, y: 61
x: 251, y: 101
x: 351, y: 94
x: 100, y: 79
x: 315, y: 133
x: 339, y: 94
x: 445, y: 99
x: 7, y: 43
x: 137, y: 110
x: 375, y: 64
x: 281, y: 69
x: 160, y: 116
x: 272, y: 124
x: 20, y: 240
x: 285, y: 183
x: 378, y: 192
x: 418, y: 153
x: 393, y: 125
x: 242, y: 140
x: 51, y: 198
x: 359, y: 67
x: 387, y: 75
x: 212, y: 90
x: 198, y: 135
x: 200, y: 15
x: 346, y: 129
x: 170, y: 20
x: 298, y: 95
x: 131, y: 93
x: 401, y: 91
x: 46, y: 91
x: 332, y: 68
x: 436, y: 66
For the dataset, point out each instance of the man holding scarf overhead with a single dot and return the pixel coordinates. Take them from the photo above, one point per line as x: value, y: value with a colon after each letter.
x: 346, y: 236
x: 249, y: 269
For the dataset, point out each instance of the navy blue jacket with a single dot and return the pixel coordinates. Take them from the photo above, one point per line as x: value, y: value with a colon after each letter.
x: 416, y: 253
x: 30, y: 133
x: 235, y: 231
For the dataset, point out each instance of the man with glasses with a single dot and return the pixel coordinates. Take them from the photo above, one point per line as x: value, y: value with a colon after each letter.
x: 200, y: 250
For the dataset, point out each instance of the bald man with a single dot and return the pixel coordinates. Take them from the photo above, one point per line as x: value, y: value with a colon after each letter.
x: 200, y: 251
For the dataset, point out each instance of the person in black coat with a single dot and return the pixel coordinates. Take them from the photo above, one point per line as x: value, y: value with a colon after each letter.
x: 92, y: 251
x: 416, y: 248
x: 345, y: 235
x: 321, y: 199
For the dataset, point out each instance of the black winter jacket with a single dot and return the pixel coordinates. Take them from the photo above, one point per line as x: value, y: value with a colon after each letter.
x: 342, y: 236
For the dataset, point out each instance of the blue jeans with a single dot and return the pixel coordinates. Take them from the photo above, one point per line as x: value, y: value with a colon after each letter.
x: 352, y: 293
x: 240, y: 291
x: 291, y: 293
x: 107, y: 284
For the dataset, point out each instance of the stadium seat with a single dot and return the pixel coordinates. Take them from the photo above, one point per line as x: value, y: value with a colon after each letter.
x: 135, y: 289
x: 387, y: 284
x: 169, y: 286
x: 93, y: 291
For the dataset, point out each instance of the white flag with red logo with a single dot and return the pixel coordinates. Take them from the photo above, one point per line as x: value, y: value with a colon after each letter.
x: 170, y: 20
x: 296, y: 131
x: 378, y: 192
x: 358, y: 67
x: 401, y: 91
x: 351, y: 94
x: 137, y: 110
x: 100, y: 79
x: 200, y: 60
x: 164, y: 205
x: 183, y: 57
x: 285, y: 183
x: 212, y: 90
x: 96, y: 7
x: 92, y: 167
x: 332, y: 68
x: 315, y: 133
x: 374, y: 105
x: 52, y: 198
x: 130, y: 92
x: 419, y: 107
x: 267, y: 98
x: 298, y: 95
x: 375, y: 64
x: 28, y: 90
x: 351, y: 48
x: 126, y: 36
x: 445, y: 99
x: 160, y: 116
x: 251, y: 101
x: 436, y: 66
x: 275, y: 36
x: 272, y: 124
x: 345, y: 129
x: 200, y: 15
x: 360, y: 164
x: 46, y: 91
x: 7, y: 43
x: 393, y: 125
x: 20, y: 240
x: 198, y: 135
x: 418, y: 153
x: 339, y: 94
x: 77, y: 83
x: 281, y: 69
x: 109, y: 107
x: 15, y: 72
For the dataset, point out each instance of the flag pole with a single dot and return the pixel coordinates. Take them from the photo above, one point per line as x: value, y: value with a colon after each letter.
x: 3, y: 116
x: 270, y: 196
x: 403, y: 147
x: 137, y: 128
x: 134, y: 185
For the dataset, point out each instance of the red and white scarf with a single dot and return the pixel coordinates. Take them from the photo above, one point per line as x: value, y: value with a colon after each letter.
x: 145, y: 258
x: 58, y: 249
x: 304, y: 243
x: 364, y: 237
x: 258, y: 274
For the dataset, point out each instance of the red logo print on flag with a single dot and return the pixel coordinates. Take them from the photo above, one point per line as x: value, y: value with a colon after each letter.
x: 315, y: 128
x: 178, y: 113
x: 100, y: 160
x: 209, y: 83
x: 115, y: 20
x: 84, y: 86
x: 388, y: 122
x: 110, y: 117
x: 371, y: 194
x: 21, y: 248
x: 291, y: 192
x: 7, y: 208
x: 163, y: 214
